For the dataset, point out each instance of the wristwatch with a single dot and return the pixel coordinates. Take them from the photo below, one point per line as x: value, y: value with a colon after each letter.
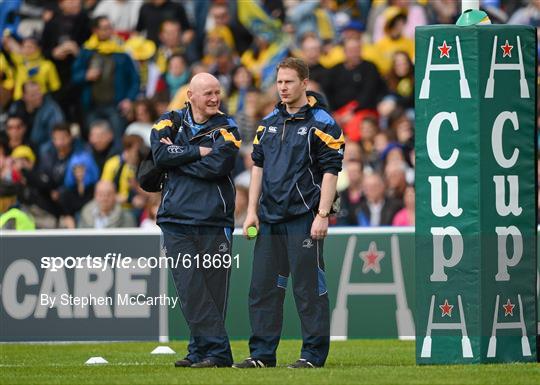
x: 323, y: 213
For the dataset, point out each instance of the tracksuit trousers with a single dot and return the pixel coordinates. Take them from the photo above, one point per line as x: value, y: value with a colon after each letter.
x: 280, y: 249
x: 202, y: 291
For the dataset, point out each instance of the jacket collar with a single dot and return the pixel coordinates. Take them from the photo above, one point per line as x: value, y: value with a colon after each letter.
x: 219, y: 119
x: 314, y: 100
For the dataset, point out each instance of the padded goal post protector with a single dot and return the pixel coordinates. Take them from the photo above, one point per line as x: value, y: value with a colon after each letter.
x: 475, y: 194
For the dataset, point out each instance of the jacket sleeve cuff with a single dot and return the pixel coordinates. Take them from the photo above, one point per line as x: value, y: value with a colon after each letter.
x: 331, y: 170
x: 257, y: 160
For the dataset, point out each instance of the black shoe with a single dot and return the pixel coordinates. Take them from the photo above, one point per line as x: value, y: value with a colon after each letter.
x: 250, y: 363
x: 302, y: 363
x: 207, y: 364
x: 184, y: 363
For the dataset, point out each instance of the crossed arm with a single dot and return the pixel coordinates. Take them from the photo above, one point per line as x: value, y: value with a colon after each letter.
x: 197, y: 161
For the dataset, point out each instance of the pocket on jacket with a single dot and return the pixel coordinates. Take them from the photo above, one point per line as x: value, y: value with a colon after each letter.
x: 166, y: 194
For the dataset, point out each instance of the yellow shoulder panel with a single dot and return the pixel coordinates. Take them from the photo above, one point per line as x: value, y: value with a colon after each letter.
x: 329, y: 140
x: 230, y: 137
x: 162, y: 124
x: 259, y: 129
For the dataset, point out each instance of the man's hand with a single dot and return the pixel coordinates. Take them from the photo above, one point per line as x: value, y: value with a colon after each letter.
x: 47, y: 15
x: 121, y: 198
x: 55, y: 195
x: 125, y: 106
x: 71, y: 47
x: 251, y: 220
x: 93, y: 74
x: 59, y: 52
x: 67, y: 222
x: 187, y: 37
x: 319, y: 228
x: 166, y: 141
x: 204, y: 151
x: 138, y: 201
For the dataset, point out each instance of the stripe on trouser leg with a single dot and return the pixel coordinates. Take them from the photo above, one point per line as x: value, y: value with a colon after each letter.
x: 321, y: 275
x: 322, y: 282
x: 228, y: 233
x: 282, y: 281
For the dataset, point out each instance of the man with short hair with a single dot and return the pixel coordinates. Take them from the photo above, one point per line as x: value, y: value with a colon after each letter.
x: 236, y: 33
x: 109, y: 79
x: 62, y: 37
x: 15, y: 132
x: 101, y: 140
x: 154, y: 13
x: 54, y: 159
x: 104, y: 211
x: 170, y: 43
x: 197, y: 147
x: 377, y: 209
x: 311, y: 51
x: 40, y: 113
x: 297, y: 154
x: 46, y: 181
x: 355, y: 80
x: 352, y: 196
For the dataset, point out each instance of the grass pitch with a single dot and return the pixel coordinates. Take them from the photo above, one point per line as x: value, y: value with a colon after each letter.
x: 350, y: 362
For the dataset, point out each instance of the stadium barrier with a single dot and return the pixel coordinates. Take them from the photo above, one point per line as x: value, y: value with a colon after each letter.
x: 369, y: 273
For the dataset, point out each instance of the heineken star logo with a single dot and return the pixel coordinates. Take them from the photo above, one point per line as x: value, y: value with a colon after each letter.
x: 445, y: 50
x: 446, y: 309
x: 372, y: 259
x: 508, y: 308
x: 507, y: 49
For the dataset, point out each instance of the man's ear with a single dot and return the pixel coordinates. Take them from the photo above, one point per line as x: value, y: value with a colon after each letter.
x: 189, y: 94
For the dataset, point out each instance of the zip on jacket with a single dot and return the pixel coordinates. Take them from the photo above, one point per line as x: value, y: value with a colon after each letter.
x: 295, y: 151
x: 197, y: 190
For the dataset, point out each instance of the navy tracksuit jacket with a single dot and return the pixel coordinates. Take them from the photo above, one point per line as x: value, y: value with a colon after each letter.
x: 294, y: 152
x: 196, y: 216
x: 197, y: 191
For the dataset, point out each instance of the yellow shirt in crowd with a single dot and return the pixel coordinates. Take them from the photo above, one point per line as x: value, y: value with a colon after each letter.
x: 8, y: 81
x: 110, y: 171
x: 379, y: 54
x: 37, y: 69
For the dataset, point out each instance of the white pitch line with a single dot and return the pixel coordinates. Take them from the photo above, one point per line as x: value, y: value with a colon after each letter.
x: 93, y: 342
x: 78, y: 365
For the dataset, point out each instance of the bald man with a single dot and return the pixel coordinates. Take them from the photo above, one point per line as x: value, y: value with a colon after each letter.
x: 104, y: 211
x: 377, y: 209
x: 197, y: 146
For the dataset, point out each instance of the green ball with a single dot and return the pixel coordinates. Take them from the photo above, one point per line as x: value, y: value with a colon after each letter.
x: 252, y: 232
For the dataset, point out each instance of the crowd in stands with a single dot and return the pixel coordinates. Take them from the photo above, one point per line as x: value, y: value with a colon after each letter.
x: 82, y: 81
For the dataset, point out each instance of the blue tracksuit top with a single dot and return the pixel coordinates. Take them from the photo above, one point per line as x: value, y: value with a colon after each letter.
x: 294, y: 152
x: 197, y: 191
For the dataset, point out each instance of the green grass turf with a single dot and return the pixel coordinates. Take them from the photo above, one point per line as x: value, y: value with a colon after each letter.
x: 350, y: 362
